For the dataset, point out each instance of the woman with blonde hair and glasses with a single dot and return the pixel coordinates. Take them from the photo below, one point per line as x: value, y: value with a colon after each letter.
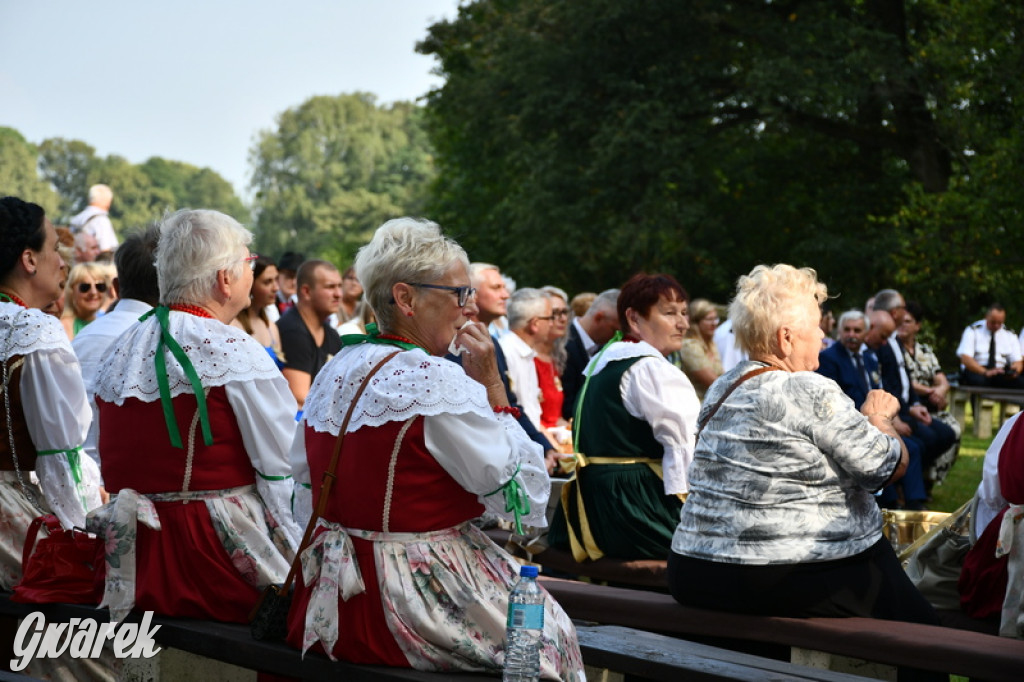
x: 699, y: 356
x: 396, y: 573
x: 84, y: 295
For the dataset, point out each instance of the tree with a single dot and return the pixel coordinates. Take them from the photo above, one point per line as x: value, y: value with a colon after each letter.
x: 18, y: 176
x: 704, y: 137
x: 335, y: 169
x: 65, y: 164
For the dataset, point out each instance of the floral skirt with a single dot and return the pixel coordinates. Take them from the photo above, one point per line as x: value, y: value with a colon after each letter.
x: 201, y: 554
x: 939, y: 469
x: 440, y: 599
x: 16, y: 514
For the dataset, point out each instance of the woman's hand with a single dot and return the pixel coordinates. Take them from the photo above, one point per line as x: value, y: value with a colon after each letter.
x: 882, y: 403
x: 480, y: 363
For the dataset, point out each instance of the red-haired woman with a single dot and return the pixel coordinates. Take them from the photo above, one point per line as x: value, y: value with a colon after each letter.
x: 636, y: 419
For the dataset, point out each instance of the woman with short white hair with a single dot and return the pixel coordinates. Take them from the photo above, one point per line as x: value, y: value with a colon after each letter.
x: 396, y: 573
x: 781, y: 518
x: 195, y: 422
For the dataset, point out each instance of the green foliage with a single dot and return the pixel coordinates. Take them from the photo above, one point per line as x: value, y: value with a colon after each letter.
x: 878, y: 142
x: 335, y: 169
x: 59, y: 173
x: 18, y: 175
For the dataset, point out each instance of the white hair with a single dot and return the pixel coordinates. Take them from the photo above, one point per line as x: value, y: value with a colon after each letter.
x: 854, y: 314
x: 607, y: 302
x: 769, y: 298
x: 403, y: 250
x: 194, y: 245
x: 100, y: 193
x: 524, y: 305
x: 476, y: 271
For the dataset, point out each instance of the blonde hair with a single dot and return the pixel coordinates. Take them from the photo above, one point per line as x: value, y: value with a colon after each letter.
x: 79, y: 272
x: 768, y: 298
x: 698, y: 310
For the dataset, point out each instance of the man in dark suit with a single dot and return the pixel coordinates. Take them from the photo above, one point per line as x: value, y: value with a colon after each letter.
x: 587, y: 335
x: 936, y: 435
x: 855, y: 371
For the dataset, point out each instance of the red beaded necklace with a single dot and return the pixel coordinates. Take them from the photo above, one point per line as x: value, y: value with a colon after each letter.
x: 396, y: 337
x: 629, y: 338
x: 13, y: 299
x: 191, y: 310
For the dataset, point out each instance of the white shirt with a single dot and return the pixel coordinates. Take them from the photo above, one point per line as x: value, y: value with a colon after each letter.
x: 975, y: 342
x: 56, y: 412
x: 92, y: 344
x: 990, y: 495
x: 897, y: 351
x: 222, y: 355
x: 588, y: 343
x: 96, y: 222
x: 728, y: 350
x: 481, y: 450
x: 657, y: 392
x: 522, y: 375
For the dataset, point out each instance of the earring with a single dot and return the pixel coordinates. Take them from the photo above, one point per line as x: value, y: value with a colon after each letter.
x: 408, y: 313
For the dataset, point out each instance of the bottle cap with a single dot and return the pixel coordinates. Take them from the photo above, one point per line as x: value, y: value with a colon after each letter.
x: 528, y: 571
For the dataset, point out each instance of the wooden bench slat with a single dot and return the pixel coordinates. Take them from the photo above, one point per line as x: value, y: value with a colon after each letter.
x: 941, y: 649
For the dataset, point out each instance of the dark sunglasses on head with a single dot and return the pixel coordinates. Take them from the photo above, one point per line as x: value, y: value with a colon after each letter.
x: 83, y: 287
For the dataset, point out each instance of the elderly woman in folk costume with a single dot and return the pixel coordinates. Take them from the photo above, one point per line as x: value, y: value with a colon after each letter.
x: 46, y: 413
x: 195, y: 423
x: 396, y: 574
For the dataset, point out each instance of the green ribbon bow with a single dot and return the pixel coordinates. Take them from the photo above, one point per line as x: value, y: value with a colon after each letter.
x: 166, y: 340
x: 516, y: 500
x: 372, y: 335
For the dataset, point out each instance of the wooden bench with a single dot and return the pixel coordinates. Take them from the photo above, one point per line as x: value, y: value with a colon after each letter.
x: 984, y: 400
x: 809, y: 640
x: 617, y: 649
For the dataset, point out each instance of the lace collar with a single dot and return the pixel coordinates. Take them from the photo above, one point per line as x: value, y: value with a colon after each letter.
x: 411, y: 383
x: 624, y: 350
x: 25, y: 330
x: 220, y: 353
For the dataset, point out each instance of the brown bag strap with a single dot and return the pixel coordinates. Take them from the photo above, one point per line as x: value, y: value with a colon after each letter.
x: 330, y: 474
x: 749, y: 375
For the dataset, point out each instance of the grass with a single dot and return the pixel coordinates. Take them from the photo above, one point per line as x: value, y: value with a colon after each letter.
x: 964, y: 477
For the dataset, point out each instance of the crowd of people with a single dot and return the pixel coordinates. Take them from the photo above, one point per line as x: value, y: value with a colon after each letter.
x: 754, y: 455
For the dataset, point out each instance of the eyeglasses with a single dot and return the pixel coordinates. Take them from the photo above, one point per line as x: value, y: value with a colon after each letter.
x: 549, y: 318
x: 560, y: 312
x: 251, y: 260
x: 462, y: 292
x: 84, y: 287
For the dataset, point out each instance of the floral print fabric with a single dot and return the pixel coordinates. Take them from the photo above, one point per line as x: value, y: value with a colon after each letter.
x: 258, y: 547
x: 445, y: 595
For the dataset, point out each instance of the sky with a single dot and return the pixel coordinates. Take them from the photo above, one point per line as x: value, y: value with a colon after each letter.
x: 195, y: 81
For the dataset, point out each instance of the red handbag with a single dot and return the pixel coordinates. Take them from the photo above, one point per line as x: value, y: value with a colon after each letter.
x: 67, y: 566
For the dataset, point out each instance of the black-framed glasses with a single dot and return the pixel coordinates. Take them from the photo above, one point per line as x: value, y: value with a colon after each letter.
x: 463, y: 293
x: 83, y: 287
x: 560, y: 312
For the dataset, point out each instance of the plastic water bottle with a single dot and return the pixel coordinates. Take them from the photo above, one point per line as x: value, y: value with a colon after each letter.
x: 523, y: 629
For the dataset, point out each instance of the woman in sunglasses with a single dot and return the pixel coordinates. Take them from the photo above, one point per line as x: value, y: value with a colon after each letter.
x: 83, y: 297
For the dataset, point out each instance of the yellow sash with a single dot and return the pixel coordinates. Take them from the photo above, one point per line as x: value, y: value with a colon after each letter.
x: 588, y: 549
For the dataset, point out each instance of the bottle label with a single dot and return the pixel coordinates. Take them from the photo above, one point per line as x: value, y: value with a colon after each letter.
x: 528, y: 616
